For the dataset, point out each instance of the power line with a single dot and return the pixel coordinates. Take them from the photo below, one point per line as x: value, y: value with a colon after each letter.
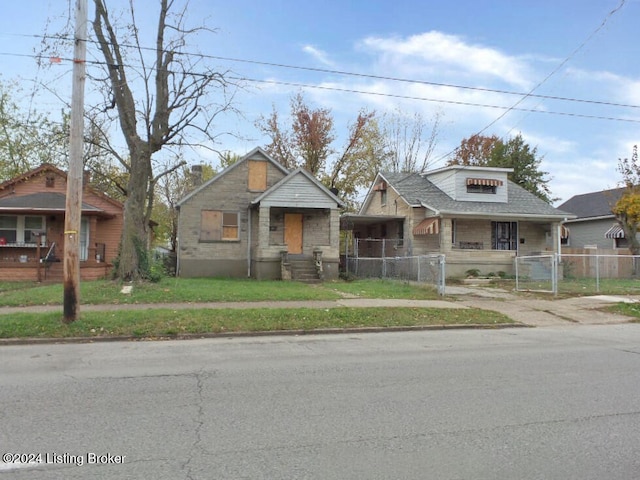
x: 539, y: 84
x: 388, y: 78
x: 452, y: 102
x: 379, y: 94
x: 558, y: 67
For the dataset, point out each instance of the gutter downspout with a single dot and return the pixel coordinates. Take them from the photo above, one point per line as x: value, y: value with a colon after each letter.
x: 249, y: 242
x: 177, y: 252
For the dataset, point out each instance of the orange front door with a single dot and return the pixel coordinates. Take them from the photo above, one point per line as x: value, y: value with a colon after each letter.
x: 293, y: 232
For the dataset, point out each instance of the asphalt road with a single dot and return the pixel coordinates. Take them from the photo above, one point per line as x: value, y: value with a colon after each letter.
x: 544, y: 403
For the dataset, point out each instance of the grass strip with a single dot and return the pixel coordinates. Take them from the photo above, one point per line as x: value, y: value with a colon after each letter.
x: 167, y: 322
x: 628, y: 309
x: 193, y: 290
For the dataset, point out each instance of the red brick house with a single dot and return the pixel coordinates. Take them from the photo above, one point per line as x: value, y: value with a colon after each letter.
x: 32, y: 212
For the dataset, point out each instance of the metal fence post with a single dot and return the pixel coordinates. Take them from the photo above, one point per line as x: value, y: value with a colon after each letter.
x: 555, y: 265
x: 441, y: 280
x: 515, y: 261
x: 597, y: 273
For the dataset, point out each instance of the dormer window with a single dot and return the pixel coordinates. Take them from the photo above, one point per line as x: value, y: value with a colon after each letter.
x: 483, y: 185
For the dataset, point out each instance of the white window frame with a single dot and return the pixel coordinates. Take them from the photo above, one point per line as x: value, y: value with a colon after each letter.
x: 21, y: 239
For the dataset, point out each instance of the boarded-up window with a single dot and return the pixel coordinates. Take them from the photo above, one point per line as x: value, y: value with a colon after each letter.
x: 210, y: 225
x: 229, y: 226
x: 257, y: 176
x: 216, y: 225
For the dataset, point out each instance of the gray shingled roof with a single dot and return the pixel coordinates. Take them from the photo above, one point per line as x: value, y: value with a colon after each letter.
x: 417, y: 190
x: 594, y: 204
x: 46, y: 201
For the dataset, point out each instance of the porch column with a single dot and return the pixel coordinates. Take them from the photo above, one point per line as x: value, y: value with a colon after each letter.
x: 555, y: 237
x: 445, y: 235
x: 334, y: 233
x: 262, y: 235
x: 91, y: 242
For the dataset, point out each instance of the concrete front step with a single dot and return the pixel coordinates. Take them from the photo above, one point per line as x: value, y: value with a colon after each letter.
x: 304, y: 270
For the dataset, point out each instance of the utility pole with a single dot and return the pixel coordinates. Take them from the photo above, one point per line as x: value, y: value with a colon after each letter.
x: 73, y: 205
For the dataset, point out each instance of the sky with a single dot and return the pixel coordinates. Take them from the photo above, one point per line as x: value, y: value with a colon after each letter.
x: 564, y: 74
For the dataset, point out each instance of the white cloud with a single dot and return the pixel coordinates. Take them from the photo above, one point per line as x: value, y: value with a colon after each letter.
x: 451, y: 52
x: 319, y: 55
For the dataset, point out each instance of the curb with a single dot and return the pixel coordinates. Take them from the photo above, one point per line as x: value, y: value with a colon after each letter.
x: 266, y: 333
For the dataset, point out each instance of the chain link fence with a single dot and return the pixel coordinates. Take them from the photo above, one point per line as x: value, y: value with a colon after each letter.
x: 579, y: 273
x: 390, y: 258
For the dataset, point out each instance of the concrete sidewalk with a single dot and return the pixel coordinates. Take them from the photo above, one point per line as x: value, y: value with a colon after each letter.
x: 520, y: 308
x: 546, y: 312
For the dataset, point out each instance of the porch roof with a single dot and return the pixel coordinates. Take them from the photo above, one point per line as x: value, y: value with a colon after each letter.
x: 428, y: 226
x: 349, y: 220
x: 44, y: 203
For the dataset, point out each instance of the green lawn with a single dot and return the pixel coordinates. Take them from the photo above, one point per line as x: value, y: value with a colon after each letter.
x: 189, y: 290
x: 629, y: 309
x: 163, y: 322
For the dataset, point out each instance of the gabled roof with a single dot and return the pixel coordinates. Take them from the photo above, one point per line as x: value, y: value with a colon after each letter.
x: 594, y: 204
x: 418, y: 191
x: 43, y: 202
x: 252, y: 154
x: 47, y: 167
x: 298, y: 172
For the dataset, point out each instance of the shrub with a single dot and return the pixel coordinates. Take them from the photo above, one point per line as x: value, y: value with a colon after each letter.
x: 473, y: 273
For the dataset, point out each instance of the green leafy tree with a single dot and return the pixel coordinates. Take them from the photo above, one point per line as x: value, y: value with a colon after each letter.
x: 228, y: 158
x: 28, y: 140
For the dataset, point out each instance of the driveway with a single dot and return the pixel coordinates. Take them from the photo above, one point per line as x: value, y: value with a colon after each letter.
x: 541, y: 311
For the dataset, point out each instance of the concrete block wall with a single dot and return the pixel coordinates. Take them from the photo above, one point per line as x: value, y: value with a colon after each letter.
x: 229, y: 193
x: 474, y: 231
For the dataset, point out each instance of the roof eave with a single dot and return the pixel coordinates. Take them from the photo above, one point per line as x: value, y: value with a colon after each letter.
x: 512, y: 215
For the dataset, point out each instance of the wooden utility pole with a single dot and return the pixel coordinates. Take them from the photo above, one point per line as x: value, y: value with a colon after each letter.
x: 73, y: 206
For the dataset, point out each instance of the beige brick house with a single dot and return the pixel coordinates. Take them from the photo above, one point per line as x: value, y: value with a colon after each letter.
x: 474, y: 215
x: 256, y: 219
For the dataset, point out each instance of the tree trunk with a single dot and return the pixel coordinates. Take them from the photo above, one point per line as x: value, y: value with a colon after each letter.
x: 135, y: 229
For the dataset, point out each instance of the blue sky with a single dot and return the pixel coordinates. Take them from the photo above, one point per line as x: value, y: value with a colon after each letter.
x: 508, y: 45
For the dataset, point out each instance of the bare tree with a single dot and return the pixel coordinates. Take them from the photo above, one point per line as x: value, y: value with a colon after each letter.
x: 409, y: 142
x: 157, y: 103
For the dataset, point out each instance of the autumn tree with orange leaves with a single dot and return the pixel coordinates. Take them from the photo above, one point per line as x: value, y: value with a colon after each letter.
x: 309, y: 142
x: 627, y: 208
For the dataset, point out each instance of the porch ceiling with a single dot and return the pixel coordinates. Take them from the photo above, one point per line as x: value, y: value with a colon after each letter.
x: 348, y: 221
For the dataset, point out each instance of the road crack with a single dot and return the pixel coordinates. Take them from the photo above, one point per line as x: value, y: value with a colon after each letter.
x: 196, y: 446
